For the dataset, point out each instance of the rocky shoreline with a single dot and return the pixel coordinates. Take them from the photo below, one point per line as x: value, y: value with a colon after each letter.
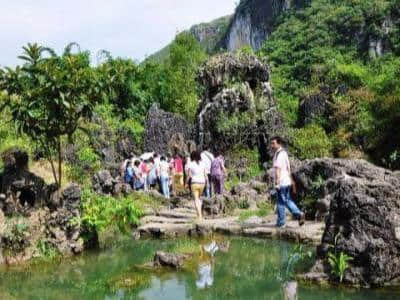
x: 356, y: 212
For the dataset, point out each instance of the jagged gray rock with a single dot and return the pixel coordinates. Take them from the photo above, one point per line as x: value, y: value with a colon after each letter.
x: 163, y: 126
x: 363, y: 218
x: 62, y: 232
x: 236, y: 87
x: 21, y: 189
x: 317, y: 179
x: 103, y: 182
x: 33, y: 213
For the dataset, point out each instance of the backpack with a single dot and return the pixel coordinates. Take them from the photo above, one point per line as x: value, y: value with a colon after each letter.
x: 216, y: 168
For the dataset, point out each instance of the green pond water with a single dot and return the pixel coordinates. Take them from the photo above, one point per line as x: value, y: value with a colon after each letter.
x: 249, y: 269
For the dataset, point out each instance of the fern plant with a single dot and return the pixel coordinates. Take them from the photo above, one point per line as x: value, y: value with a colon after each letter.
x: 339, y: 263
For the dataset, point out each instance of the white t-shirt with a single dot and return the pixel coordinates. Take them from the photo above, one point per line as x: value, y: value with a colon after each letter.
x: 198, y: 172
x: 164, y: 169
x: 206, y: 159
x: 281, y: 161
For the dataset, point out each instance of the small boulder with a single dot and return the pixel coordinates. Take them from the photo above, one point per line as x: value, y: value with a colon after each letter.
x: 103, y: 182
x: 164, y: 259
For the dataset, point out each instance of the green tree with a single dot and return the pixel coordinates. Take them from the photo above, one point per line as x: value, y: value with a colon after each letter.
x: 48, y: 97
x: 126, y: 92
x: 177, y: 83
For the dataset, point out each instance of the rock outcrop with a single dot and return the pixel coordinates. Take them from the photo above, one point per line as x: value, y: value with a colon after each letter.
x: 164, y: 130
x: 34, y: 217
x: 61, y: 231
x: 104, y: 183
x: 317, y: 179
x: 363, y: 220
x: 237, y: 105
x: 22, y: 189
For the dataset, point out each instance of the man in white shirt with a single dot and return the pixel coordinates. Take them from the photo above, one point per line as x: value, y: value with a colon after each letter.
x: 207, y: 158
x: 283, y: 184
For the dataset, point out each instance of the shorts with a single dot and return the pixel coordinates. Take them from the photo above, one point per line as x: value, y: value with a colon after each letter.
x: 197, y: 189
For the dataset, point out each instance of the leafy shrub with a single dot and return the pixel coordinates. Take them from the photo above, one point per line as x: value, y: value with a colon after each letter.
x: 86, y: 165
x: 99, y: 212
x: 135, y: 129
x: 242, y: 164
x: 297, y: 256
x: 311, y: 142
x: 15, y: 235
x: 46, y: 250
x: 235, y: 130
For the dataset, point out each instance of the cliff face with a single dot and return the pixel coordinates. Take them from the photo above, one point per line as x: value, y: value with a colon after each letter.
x: 253, y: 21
x: 210, y: 34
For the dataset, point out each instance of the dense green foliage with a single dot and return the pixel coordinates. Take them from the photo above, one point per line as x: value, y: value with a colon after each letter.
x: 311, y: 142
x: 102, y: 212
x: 329, y: 44
x: 49, y: 97
x: 173, y: 83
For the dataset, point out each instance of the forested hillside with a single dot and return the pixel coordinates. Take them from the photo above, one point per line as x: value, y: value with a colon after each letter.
x: 335, y: 68
x: 335, y: 74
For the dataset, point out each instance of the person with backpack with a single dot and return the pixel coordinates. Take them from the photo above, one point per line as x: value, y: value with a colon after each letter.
x: 207, y: 158
x: 129, y: 174
x: 218, y: 172
x: 284, y: 184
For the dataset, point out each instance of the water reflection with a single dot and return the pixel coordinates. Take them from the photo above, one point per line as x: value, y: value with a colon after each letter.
x: 205, y: 267
x: 206, y: 276
x: 290, y: 290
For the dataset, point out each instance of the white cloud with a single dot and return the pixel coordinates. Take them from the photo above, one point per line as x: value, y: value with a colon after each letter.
x: 127, y: 28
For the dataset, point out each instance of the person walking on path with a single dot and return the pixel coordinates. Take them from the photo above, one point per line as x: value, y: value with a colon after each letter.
x: 283, y: 184
x: 128, y: 174
x: 177, y: 173
x: 198, y: 179
x: 163, y: 174
x: 207, y: 158
x: 137, y: 176
x: 218, y: 173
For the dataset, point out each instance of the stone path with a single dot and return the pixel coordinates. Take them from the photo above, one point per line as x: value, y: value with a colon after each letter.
x: 179, y: 222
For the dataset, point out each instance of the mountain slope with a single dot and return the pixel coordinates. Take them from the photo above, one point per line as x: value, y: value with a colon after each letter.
x: 208, y: 34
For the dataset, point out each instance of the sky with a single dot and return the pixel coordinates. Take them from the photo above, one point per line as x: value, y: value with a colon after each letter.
x: 127, y: 28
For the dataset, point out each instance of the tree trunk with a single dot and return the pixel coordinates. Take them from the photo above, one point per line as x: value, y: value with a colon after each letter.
x: 53, y: 169
x: 59, y: 163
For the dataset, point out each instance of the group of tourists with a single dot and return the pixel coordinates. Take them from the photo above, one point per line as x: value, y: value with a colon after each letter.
x: 201, y: 173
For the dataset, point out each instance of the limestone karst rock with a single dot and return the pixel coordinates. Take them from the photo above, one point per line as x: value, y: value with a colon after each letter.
x: 363, y: 219
x: 163, y: 126
x: 236, y: 91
